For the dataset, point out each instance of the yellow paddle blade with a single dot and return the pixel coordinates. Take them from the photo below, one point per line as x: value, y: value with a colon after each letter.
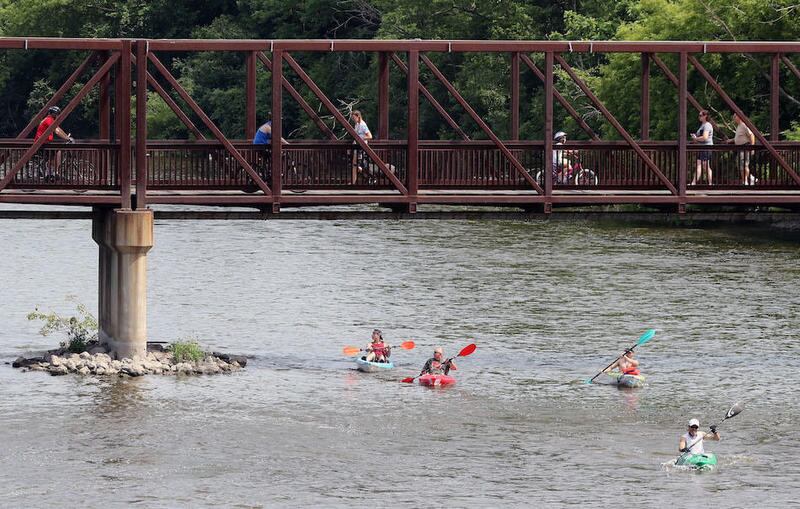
x: 407, y: 345
x: 350, y: 350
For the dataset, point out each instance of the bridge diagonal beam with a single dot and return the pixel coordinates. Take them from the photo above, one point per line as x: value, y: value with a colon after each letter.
x: 429, y: 96
x: 183, y: 117
x: 672, y: 78
x: 790, y: 65
x: 344, y: 123
x: 484, y: 127
x: 65, y: 112
x: 210, y: 124
x: 561, y: 99
x: 615, y: 123
x: 732, y: 105
x: 60, y: 93
x: 300, y: 100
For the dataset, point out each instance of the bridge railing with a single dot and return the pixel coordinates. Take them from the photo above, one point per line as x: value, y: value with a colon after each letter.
x: 75, y: 166
x: 443, y: 165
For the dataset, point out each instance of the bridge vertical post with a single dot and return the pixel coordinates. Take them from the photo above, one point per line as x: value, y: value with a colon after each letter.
x: 775, y: 98
x: 383, y: 95
x: 141, y: 123
x: 682, y: 128
x: 277, y: 127
x: 515, y: 96
x: 250, y: 96
x: 548, y: 132
x: 104, y: 109
x: 645, y: 111
x: 412, y: 155
x: 106, y: 275
x: 124, y: 119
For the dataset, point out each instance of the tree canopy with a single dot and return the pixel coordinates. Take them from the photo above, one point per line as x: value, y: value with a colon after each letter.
x: 216, y: 79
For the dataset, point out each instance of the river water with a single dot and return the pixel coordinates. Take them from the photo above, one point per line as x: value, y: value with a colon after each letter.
x: 548, y: 304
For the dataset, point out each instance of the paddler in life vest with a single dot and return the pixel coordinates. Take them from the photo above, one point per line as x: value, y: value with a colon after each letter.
x: 435, y: 365
x: 692, y: 441
x: 378, y: 350
x: 626, y: 364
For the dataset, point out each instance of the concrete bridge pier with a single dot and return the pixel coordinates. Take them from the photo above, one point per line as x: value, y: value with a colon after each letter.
x: 123, y: 237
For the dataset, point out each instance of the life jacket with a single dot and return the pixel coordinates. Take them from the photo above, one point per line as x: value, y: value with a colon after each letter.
x: 631, y: 371
x: 437, y: 367
x: 379, y: 349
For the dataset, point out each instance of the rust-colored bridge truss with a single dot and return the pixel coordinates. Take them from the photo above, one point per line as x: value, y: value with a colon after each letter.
x: 124, y: 169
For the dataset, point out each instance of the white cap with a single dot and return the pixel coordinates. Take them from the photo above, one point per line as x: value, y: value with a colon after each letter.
x: 694, y: 422
x: 438, y: 349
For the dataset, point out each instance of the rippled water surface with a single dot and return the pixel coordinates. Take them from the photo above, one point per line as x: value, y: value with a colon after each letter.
x: 549, y: 304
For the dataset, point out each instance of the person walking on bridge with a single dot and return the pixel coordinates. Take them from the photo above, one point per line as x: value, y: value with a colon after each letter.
x: 705, y: 136
x: 364, y: 133
x: 743, y: 136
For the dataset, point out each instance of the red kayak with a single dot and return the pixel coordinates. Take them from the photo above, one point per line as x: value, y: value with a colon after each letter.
x: 436, y: 380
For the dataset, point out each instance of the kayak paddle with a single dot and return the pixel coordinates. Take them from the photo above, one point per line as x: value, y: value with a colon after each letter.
x: 644, y: 338
x: 352, y: 350
x: 467, y: 350
x: 733, y: 412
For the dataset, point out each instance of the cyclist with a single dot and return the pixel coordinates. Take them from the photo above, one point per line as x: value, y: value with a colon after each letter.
x: 46, y: 122
x: 561, y: 163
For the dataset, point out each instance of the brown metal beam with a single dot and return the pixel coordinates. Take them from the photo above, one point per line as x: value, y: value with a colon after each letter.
x: 412, y: 154
x: 561, y: 100
x: 65, y: 112
x: 427, y: 94
x: 104, y: 107
x: 671, y: 77
x: 141, y: 124
x: 615, y: 123
x: 484, y: 127
x: 683, y: 93
x: 344, y: 123
x: 124, y: 117
x: 300, y: 100
x: 174, y: 107
x: 276, y: 151
x: 209, y: 124
x: 549, y: 92
x: 732, y: 105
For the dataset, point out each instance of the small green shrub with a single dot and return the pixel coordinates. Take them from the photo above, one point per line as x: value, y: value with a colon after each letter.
x: 80, y: 330
x: 185, y: 351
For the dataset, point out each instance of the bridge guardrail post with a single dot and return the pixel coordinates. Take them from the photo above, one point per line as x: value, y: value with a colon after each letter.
x: 682, y: 130
x: 548, y: 132
x: 413, y: 130
x: 277, y: 127
x: 142, y: 48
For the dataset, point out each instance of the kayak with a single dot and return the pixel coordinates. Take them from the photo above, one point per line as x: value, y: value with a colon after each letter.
x: 630, y: 381
x: 705, y: 461
x: 436, y: 380
x: 371, y: 367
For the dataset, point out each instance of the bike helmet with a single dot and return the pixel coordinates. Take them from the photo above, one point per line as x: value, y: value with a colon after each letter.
x: 559, y: 135
x: 55, y: 110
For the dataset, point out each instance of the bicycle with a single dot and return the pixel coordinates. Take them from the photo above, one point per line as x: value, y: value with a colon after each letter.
x: 575, y: 174
x: 263, y: 167
x: 72, y: 170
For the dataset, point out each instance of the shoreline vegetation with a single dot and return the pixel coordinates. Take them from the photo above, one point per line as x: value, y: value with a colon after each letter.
x: 82, y: 353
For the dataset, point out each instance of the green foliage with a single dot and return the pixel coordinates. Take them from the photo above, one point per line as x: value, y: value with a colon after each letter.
x: 216, y: 79
x: 186, y: 351
x: 80, y: 330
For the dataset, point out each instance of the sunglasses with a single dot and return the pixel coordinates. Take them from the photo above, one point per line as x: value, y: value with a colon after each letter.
x: 695, y: 427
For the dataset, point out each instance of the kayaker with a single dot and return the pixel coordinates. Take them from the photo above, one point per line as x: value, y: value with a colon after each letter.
x: 378, y: 350
x: 692, y: 441
x: 626, y: 364
x: 435, y: 366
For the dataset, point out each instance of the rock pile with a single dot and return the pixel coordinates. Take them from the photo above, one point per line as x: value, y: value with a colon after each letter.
x: 156, y: 362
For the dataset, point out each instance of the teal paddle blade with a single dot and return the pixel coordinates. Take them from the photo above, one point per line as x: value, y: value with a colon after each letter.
x: 647, y: 336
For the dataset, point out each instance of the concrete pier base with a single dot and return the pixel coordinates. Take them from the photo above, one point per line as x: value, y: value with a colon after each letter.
x: 123, y: 237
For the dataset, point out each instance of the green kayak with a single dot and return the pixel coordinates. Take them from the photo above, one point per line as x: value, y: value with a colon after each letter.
x: 705, y: 461
x: 631, y: 381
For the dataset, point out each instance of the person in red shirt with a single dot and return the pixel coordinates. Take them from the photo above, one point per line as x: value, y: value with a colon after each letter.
x: 52, y: 113
x: 54, y: 159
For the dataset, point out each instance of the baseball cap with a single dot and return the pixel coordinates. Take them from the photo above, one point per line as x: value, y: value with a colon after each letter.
x: 694, y: 422
x: 438, y: 349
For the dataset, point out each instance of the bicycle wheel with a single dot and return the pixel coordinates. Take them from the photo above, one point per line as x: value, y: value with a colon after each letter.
x: 78, y: 172
x: 586, y: 177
